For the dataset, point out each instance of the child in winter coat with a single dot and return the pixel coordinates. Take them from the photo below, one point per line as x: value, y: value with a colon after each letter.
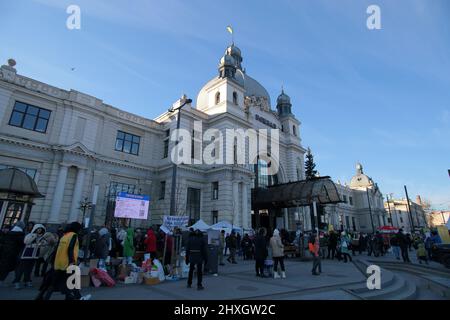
x: 421, y: 253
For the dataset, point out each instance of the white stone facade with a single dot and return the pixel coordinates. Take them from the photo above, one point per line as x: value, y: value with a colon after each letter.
x: 77, y: 150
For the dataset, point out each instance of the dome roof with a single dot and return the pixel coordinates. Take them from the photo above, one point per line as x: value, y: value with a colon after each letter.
x: 250, y: 85
x: 283, y: 98
x: 227, y: 60
x: 360, y: 180
x: 16, y: 181
x: 233, y: 50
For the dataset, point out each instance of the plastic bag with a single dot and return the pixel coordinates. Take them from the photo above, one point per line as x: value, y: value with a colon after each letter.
x: 161, y: 274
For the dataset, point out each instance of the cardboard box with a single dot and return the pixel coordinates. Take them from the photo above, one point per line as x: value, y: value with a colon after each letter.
x: 93, y: 263
x: 151, y: 281
x: 140, y: 278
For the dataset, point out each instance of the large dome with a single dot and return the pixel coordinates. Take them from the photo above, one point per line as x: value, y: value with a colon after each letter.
x: 361, y: 180
x: 250, y: 85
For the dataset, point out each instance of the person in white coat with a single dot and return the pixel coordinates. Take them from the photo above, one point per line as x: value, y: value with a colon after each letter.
x: 277, y: 254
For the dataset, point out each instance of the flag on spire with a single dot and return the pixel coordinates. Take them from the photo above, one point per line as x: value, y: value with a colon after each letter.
x: 230, y: 29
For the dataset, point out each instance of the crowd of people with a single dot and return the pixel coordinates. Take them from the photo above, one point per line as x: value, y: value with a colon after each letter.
x: 25, y: 248
x: 50, y: 250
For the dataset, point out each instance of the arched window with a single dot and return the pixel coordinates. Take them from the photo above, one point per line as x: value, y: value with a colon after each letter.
x: 294, y: 130
x: 262, y: 174
x: 217, y: 97
x: 235, y: 98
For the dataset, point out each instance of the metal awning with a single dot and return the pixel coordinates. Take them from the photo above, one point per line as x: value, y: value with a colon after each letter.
x: 298, y: 193
x: 15, y: 181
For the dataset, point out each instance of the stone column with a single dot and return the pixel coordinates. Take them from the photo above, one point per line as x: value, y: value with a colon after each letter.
x: 245, y: 213
x: 235, y: 203
x: 286, y: 219
x: 58, y: 194
x: 76, y: 197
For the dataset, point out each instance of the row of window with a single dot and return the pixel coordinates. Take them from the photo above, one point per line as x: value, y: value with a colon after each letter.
x: 350, y: 199
x: 235, y: 98
x: 214, y: 190
x: 34, y: 118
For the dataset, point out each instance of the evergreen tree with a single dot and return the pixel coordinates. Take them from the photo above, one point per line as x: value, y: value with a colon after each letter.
x: 310, y: 166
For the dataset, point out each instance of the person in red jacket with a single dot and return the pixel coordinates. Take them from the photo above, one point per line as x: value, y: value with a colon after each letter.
x: 150, y: 243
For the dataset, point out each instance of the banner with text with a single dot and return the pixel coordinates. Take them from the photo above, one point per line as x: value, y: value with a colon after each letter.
x: 175, y: 221
x: 132, y: 206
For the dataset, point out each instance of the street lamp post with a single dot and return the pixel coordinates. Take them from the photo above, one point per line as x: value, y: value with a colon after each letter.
x: 370, y: 210
x: 85, y: 205
x: 174, y: 167
x: 409, y: 210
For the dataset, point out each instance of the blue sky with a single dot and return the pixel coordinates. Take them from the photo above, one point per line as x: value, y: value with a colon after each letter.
x: 381, y: 97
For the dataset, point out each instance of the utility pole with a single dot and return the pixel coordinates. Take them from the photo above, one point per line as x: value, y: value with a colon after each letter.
x: 389, y: 207
x: 174, y: 167
x: 409, y: 209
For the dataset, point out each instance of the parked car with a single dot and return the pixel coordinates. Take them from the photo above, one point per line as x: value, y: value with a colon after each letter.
x: 441, y: 254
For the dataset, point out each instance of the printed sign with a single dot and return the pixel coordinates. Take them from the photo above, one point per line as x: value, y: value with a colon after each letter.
x: 132, y: 206
x: 175, y: 221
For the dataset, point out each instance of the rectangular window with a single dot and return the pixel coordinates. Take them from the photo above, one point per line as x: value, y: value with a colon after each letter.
x: 354, y: 223
x: 347, y: 222
x: 117, y: 187
x: 215, y: 190
x: 127, y: 142
x: 215, y: 216
x: 401, y: 219
x: 166, y: 144
x: 29, y: 117
x: 345, y: 198
x: 162, y: 190
x: 350, y: 200
x: 193, y: 205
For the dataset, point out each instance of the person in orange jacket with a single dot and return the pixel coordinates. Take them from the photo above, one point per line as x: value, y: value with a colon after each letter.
x: 316, y: 256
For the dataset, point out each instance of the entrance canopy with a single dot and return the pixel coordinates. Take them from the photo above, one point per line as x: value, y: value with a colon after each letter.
x: 298, y: 193
x: 15, y: 181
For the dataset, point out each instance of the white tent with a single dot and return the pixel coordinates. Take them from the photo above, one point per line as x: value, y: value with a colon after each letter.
x: 200, y: 225
x: 225, y: 225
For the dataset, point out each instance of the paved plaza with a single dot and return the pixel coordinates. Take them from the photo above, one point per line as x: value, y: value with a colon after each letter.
x: 339, y: 280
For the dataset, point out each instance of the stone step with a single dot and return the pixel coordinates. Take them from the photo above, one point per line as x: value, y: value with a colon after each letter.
x: 387, y: 278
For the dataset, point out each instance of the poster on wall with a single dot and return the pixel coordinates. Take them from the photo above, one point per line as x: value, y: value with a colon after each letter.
x: 132, y: 206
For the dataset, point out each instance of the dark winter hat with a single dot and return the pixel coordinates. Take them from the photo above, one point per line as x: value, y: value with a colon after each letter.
x: 74, y: 227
